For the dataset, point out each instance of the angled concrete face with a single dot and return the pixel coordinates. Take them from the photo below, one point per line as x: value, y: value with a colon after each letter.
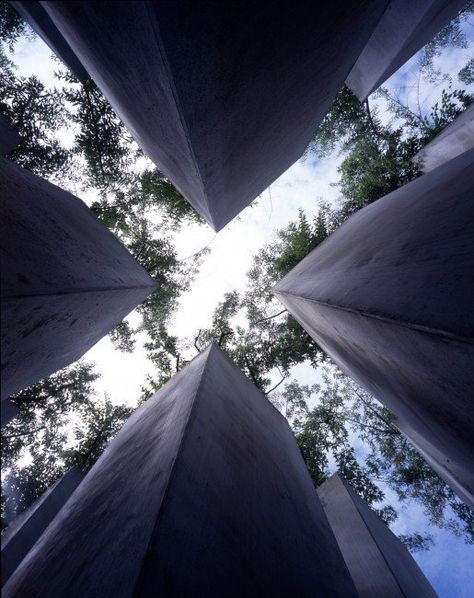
x: 26, y: 528
x: 65, y: 280
x: 404, y: 28
x: 202, y: 493
x: 39, y: 20
x: 8, y: 411
x: 455, y: 139
x: 389, y: 297
x: 223, y: 97
x: 9, y: 138
x: 378, y: 562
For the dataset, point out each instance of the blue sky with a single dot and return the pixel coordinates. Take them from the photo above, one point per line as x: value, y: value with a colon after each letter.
x: 449, y: 565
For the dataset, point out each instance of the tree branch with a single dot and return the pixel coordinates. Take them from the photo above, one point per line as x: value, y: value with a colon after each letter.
x: 196, y: 340
x: 270, y: 317
x: 251, y: 371
x: 276, y: 385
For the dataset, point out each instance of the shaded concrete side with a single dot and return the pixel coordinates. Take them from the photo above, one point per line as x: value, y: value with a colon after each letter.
x: 8, y: 411
x: 204, y: 492
x: 38, y: 19
x: 27, y: 527
x: 241, y: 516
x: 66, y: 280
x: 378, y: 562
x: 43, y: 334
x: 223, y: 97
x: 403, y: 30
x: 455, y: 139
x: 9, y: 138
x: 389, y: 297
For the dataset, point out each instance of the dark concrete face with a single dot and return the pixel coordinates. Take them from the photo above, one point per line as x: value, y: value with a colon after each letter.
x: 378, y: 562
x: 9, y: 138
x: 404, y: 28
x: 455, y: 139
x: 389, y: 297
x: 26, y: 528
x: 202, y: 493
x: 65, y: 279
x: 38, y: 19
x: 8, y: 410
x: 223, y: 97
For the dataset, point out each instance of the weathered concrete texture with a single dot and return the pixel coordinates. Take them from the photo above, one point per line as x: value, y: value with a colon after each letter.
x: 9, y: 138
x: 38, y: 19
x: 8, y: 411
x: 65, y: 280
x: 223, y: 97
x: 378, y: 562
x: 389, y: 297
x: 24, y: 531
x: 403, y: 30
x: 202, y: 493
x: 455, y: 139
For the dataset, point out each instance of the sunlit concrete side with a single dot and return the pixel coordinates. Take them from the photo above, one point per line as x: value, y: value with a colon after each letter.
x: 378, y: 562
x: 455, y: 139
x: 202, y: 493
x: 26, y: 528
x: 223, y: 97
x: 38, y: 19
x: 9, y: 138
x: 66, y: 280
x: 389, y: 297
x: 403, y: 30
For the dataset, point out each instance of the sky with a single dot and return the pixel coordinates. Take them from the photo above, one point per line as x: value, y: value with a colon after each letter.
x: 449, y: 565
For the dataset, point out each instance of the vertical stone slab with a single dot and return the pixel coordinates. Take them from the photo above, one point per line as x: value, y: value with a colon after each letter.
x: 66, y: 280
x: 404, y: 28
x: 26, y: 528
x: 223, y: 97
x: 38, y: 19
x: 9, y: 138
x: 455, y: 139
x: 378, y: 562
x: 389, y: 297
x: 202, y: 493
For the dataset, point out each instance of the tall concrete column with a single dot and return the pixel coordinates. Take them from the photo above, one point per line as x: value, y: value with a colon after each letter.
x: 26, y: 528
x: 222, y: 96
x: 66, y: 280
x: 389, y: 297
x: 202, y: 493
x: 455, y: 139
x: 378, y: 562
x: 404, y: 28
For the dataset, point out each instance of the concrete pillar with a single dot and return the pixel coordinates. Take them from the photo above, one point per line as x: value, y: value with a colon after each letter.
x: 455, y: 139
x: 202, y: 493
x: 9, y: 138
x: 223, y: 97
x: 26, y: 528
x: 39, y: 20
x: 65, y: 279
x: 389, y: 297
x: 404, y: 28
x: 8, y: 411
x: 378, y: 562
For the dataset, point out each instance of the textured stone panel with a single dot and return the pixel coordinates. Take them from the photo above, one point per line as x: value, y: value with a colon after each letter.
x: 202, y: 493
x: 389, y: 297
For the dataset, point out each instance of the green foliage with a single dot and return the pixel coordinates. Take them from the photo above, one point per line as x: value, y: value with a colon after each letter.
x: 12, y: 26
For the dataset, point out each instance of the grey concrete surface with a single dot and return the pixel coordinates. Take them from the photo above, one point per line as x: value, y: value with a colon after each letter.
x: 38, y: 19
x: 8, y: 411
x: 455, y: 139
x: 202, y: 493
x: 65, y: 278
x: 26, y: 528
x: 9, y: 138
x: 389, y: 297
x: 378, y: 562
x: 404, y: 28
x: 223, y: 97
